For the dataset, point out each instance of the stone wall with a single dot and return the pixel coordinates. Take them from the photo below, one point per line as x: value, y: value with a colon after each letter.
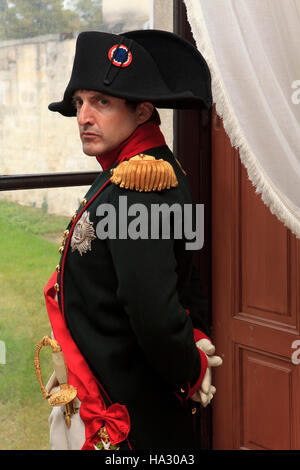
x: 33, y: 73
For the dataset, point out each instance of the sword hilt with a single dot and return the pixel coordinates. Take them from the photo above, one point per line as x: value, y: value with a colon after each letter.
x: 67, y: 392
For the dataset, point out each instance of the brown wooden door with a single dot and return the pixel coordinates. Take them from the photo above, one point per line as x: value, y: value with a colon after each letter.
x: 256, y: 312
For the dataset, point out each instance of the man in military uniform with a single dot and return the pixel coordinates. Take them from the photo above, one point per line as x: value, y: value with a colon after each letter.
x: 125, y: 305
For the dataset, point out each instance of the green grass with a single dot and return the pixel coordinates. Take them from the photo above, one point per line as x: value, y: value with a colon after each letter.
x: 27, y: 260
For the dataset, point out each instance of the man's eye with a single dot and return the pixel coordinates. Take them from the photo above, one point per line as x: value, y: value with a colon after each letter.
x: 76, y: 104
x: 103, y: 101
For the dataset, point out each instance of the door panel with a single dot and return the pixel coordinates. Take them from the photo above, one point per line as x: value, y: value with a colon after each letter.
x: 256, y: 311
x: 267, y: 258
x: 265, y: 385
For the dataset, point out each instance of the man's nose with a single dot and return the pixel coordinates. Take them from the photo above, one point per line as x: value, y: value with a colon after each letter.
x: 85, y: 115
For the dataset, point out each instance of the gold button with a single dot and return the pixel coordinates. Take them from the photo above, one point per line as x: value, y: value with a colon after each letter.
x: 56, y: 287
x: 66, y: 233
x: 74, y: 217
x: 57, y: 269
x: 84, y: 202
x: 61, y: 249
x: 182, y: 391
x: 194, y: 410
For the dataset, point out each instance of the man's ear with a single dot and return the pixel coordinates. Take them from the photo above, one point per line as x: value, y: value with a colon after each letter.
x: 144, y: 111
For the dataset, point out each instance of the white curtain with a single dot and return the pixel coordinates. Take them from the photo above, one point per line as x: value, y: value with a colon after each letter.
x: 252, y: 48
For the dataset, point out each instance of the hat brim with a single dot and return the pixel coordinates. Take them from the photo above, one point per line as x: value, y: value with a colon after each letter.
x: 184, y: 100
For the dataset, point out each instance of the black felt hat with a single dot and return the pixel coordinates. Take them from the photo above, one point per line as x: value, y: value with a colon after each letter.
x: 144, y: 65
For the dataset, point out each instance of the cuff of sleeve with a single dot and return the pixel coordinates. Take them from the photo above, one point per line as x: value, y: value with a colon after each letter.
x: 198, y: 383
x: 198, y: 334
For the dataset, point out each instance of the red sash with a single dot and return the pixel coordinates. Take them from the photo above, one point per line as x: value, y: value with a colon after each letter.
x: 93, y: 411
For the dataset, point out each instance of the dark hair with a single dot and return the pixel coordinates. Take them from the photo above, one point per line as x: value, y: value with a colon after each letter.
x: 154, y: 116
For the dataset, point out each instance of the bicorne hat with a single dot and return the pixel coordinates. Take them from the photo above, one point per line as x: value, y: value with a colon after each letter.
x: 145, y: 65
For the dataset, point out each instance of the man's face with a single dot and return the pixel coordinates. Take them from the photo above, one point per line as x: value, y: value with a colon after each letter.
x: 104, y: 121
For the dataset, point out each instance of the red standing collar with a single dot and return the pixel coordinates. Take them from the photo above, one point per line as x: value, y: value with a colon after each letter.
x: 144, y: 137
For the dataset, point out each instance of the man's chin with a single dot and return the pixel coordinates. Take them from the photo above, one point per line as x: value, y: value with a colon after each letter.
x: 89, y: 151
x: 90, y: 154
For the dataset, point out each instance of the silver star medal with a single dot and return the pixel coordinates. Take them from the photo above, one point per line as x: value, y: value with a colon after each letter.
x: 83, y: 234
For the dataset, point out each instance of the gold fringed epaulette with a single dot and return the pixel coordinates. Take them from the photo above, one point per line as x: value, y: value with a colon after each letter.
x: 144, y: 173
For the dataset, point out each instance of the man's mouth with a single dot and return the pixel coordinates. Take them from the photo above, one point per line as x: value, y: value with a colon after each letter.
x: 89, y: 135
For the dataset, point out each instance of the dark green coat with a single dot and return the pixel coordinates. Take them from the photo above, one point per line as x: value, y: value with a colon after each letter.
x: 124, y: 303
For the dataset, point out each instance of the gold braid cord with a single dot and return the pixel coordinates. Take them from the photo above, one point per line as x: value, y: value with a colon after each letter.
x: 144, y: 173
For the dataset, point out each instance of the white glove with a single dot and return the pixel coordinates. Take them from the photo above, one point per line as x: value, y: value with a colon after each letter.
x: 52, y: 384
x: 205, y: 393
